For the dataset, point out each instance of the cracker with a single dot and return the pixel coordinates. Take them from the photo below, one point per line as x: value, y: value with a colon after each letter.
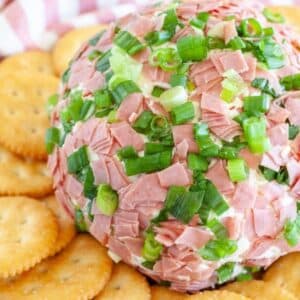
x: 67, y: 46
x: 66, y: 227
x: 164, y: 293
x: 23, y: 117
x: 260, y: 290
x: 30, y: 61
x: 218, y: 295
x: 285, y: 272
x: 28, y: 231
x: 291, y: 13
x: 79, y: 273
x: 125, y: 283
x: 23, y: 176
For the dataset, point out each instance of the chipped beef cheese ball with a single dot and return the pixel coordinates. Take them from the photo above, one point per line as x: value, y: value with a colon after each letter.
x: 175, y: 141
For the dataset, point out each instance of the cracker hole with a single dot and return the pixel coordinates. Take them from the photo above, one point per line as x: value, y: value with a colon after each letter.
x: 36, y: 111
x: 33, y: 130
x: 32, y: 289
x: 75, y: 260
x: 39, y: 92
x: 117, y: 287
x: 14, y: 93
x: 23, y: 222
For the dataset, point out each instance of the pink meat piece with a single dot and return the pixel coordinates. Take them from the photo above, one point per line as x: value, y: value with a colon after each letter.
x: 156, y: 74
x: 64, y: 200
x: 74, y: 188
x: 230, y: 31
x: 100, y: 170
x: 85, y: 133
x: 244, y: 196
x: 275, y: 158
x: 118, y: 247
x: 286, y: 209
x: 182, y: 150
x: 295, y: 145
x: 130, y: 105
x: 268, y: 193
x: 265, y: 222
x: 296, y: 189
x: 185, y: 132
x: 117, y: 177
x: 106, y: 40
x: 293, y: 106
x: 252, y: 160
x: 127, y: 136
x: 277, y: 114
x: 142, y: 56
x: 272, y: 78
x: 219, y: 177
x: 155, y: 107
x: 101, y: 140
x: 126, y: 224
x: 145, y: 191
x: 212, y: 104
x: 176, y: 174
x: 233, y: 226
x: 168, y: 232
x: 100, y: 228
x: 250, y: 74
x: 95, y: 82
x: 135, y: 245
x: 193, y: 237
x: 279, y: 134
x: 293, y: 168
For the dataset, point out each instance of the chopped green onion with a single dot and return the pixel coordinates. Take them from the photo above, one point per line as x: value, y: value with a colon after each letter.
x: 112, y: 116
x: 94, y: 54
x: 236, y: 43
x: 225, y: 272
x: 264, y: 85
x: 215, y: 43
x: 250, y: 28
x: 269, y: 31
x: 244, y: 277
x: 165, y: 58
x: 293, y: 131
x: 183, y: 205
x: 292, y: 231
x: 281, y: 177
x: 201, y: 20
x: 78, y: 160
x: 142, y: 123
x: 152, y: 148
x: 241, y: 118
x: 89, y: 209
x: 192, y: 48
x: 102, y: 63
x: 173, y: 97
x: 215, y: 250
x: 66, y: 75
x: 237, y: 169
x: 255, y: 134
x: 86, y: 176
x: 171, y: 22
x: 183, y: 113
x: 103, y: 98
x: 148, y: 163
x: 152, y: 249
x: 156, y: 38
x: 79, y: 221
x: 148, y: 264
x: 196, y: 162
x: 291, y: 82
x: 255, y: 105
x: 178, y: 80
x: 52, y: 138
x: 87, y: 109
x: 126, y: 152
x: 102, y: 112
x: 228, y: 152
x: 51, y: 103
x: 107, y: 199
x: 273, y: 17
x: 217, y: 228
x: 94, y: 40
x: 128, y: 42
x: 268, y: 173
x: 123, y: 89
x: 233, y: 85
x: 157, y: 91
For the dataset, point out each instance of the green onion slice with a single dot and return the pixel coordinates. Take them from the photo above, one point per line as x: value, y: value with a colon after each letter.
x: 78, y: 160
x: 225, y: 272
x: 237, y: 169
x: 292, y: 231
x: 165, y: 58
x: 52, y: 138
x: 107, y: 199
x: 128, y: 42
x: 273, y: 17
x: 200, y: 21
x: 123, y: 89
x: 291, y: 82
x: 80, y: 221
x: 217, y: 228
x: 183, y: 113
x: 152, y: 249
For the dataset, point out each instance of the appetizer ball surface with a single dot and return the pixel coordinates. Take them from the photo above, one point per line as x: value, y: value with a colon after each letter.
x: 174, y: 141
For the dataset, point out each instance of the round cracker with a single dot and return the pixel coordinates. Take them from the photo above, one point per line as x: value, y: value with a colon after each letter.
x: 291, y: 14
x: 23, y: 176
x: 218, y: 295
x: 285, y: 273
x: 79, y: 272
x: 23, y: 117
x: 164, y: 293
x: 67, y: 46
x: 66, y: 227
x: 30, y: 61
x: 126, y: 283
x: 28, y: 231
x: 260, y: 290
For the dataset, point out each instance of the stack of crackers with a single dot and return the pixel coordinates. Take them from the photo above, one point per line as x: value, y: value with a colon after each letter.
x: 41, y: 256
